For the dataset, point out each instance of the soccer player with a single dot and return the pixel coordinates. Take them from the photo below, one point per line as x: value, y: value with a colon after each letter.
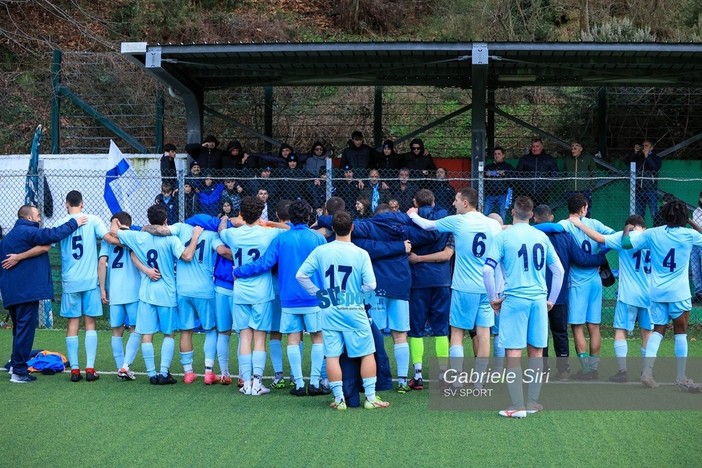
x: 79, y: 278
x: 633, y: 299
x: 523, y: 251
x: 120, y: 289
x: 670, y: 247
x: 473, y: 233
x: 157, y: 299
x: 430, y: 296
x: 196, y: 299
x: 338, y: 274
x: 253, y: 297
x: 585, y: 291
x: 300, y: 311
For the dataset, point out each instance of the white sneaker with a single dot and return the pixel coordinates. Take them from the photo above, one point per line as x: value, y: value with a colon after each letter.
x: 647, y: 379
x: 258, y: 390
x: 246, y: 389
x: 517, y: 414
x: 686, y: 384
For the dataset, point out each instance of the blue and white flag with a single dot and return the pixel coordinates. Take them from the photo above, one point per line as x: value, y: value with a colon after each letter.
x: 31, y: 185
x: 121, y: 181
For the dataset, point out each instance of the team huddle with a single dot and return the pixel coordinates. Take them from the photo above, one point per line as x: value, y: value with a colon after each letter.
x: 394, y: 268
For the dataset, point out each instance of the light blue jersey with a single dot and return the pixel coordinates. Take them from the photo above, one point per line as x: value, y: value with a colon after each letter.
x: 123, y: 277
x: 195, y: 278
x: 248, y: 243
x: 160, y: 253
x: 578, y: 275
x: 473, y: 233
x: 525, y: 253
x: 79, y: 255
x: 340, y: 270
x: 634, y: 271
x: 670, y: 260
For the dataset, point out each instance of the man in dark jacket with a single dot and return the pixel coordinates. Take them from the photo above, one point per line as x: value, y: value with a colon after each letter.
x: 357, y: 154
x: 538, y: 167
x: 648, y: 164
x: 569, y: 252
x: 418, y: 159
x: 168, y: 167
x: 25, y: 283
x: 235, y: 158
x: 207, y: 153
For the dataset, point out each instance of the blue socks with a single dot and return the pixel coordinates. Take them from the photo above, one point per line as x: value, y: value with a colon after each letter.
x: 621, y: 349
x: 210, y: 348
x: 317, y: 359
x: 186, y: 359
x: 337, y: 390
x: 147, y: 352
x: 681, y: 354
x: 258, y: 362
x: 72, y: 351
x: 91, y: 342
x: 402, y: 358
x: 223, y: 352
x: 117, y: 351
x: 131, y: 349
x: 369, y: 387
x: 296, y: 365
x: 654, y: 342
x: 246, y: 368
x: 276, y: 349
x: 167, y: 349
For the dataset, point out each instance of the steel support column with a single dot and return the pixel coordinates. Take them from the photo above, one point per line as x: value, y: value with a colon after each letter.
x: 479, y: 87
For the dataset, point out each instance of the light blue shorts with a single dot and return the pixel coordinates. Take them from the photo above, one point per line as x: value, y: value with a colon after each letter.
x: 387, y: 312
x: 626, y: 316
x: 357, y: 343
x: 191, y: 307
x: 223, y: 311
x: 522, y: 322
x: 469, y: 310
x: 298, y: 319
x: 254, y: 316
x: 153, y: 319
x: 123, y: 314
x: 275, y: 314
x: 585, y: 303
x: 73, y: 305
x: 661, y: 312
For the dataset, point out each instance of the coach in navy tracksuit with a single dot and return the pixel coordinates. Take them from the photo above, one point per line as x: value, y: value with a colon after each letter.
x: 569, y: 252
x: 26, y: 283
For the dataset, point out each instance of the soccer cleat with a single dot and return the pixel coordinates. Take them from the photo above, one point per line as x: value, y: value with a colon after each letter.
x: 375, y: 404
x: 153, y: 380
x: 687, y: 385
x: 91, y: 375
x: 245, y: 389
x: 338, y: 405
x: 647, y: 379
x: 291, y: 382
x: 125, y: 374
x: 534, y: 408
x: 403, y: 388
x: 210, y: 378
x: 240, y: 382
x: 298, y: 391
x: 586, y: 376
x: 510, y: 413
x: 316, y: 391
x: 166, y: 380
x: 620, y: 377
x: 189, y: 377
x: 563, y: 376
x: 416, y: 384
x: 325, y: 389
x: 225, y: 380
x: 279, y: 382
x: 75, y: 375
x: 258, y: 390
x: 27, y: 378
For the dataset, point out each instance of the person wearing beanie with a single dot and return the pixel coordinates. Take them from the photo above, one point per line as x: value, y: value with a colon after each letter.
x: 387, y: 158
x: 207, y: 153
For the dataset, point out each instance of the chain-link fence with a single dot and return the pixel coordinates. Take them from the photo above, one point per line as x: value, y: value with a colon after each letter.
x: 612, y: 194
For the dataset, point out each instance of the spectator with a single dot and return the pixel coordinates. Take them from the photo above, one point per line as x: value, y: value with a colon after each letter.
x: 403, y: 190
x: 168, y: 167
x: 357, y: 154
x: 648, y: 164
x: 226, y: 210
x: 394, y: 205
x: 276, y: 161
x: 210, y: 194
x: 263, y: 196
x: 207, y: 154
x: 444, y: 194
x: 696, y: 256
x: 539, y: 167
x: 348, y: 187
x: 318, y: 191
x: 192, y: 200
x: 317, y: 159
x: 495, y: 185
x: 418, y: 158
x: 232, y: 194
x: 264, y: 181
x: 294, y: 186
x: 363, y: 208
x: 387, y: 158
x: 169, y: 200
x: 194, y: 179
x: 235, y: 158
x: 375, y: 190
x: 582, y: 169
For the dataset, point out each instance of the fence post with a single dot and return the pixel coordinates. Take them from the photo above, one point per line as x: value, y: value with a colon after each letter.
x: 180, y: 174
x: 481, y: 186
x: 632, y: 188
x: 330, y: 174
